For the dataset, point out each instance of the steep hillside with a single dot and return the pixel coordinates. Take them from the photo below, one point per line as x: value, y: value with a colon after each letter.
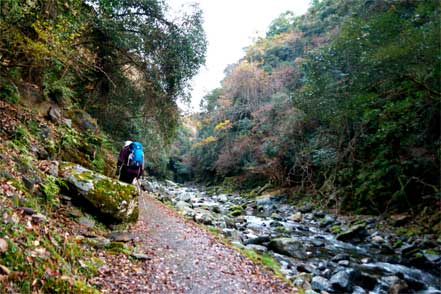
x: 341, y: 104
x: 43, y: 247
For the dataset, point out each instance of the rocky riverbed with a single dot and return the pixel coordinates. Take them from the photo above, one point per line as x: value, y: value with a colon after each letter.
x: 316, y: 250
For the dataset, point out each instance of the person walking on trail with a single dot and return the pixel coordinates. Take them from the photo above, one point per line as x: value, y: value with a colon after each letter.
x: 130, y: 165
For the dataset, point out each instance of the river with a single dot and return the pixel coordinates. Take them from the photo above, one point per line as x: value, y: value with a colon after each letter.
x: 317, y: 251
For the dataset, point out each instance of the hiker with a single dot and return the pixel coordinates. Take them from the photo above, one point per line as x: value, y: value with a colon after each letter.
x: 130, y: 163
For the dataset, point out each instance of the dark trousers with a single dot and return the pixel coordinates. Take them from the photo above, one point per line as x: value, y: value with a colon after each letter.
x: 127, y: 174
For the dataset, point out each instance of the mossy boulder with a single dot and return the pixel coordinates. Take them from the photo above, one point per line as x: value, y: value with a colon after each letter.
x: 113, y: 201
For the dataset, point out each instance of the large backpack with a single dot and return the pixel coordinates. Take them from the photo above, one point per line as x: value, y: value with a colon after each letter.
x: 136, y: 156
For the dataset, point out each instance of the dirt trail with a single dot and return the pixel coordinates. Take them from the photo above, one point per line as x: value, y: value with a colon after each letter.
x: 184, y: 259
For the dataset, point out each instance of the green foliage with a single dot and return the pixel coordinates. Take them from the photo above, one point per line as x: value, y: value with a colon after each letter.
x: 51, y: 189
x: 347, y: 107
x: 9, y: 93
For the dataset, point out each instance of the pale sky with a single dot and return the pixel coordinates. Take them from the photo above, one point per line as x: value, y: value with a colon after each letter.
x: 230, y: 26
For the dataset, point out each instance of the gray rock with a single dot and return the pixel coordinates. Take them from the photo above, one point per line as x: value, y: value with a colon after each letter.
x: 341, y: 256
x: 53, y: 168
x: 377, y: 239
x: 327, y: 220
x: 320, y: 284
x: 67, y: 122
x: 185, y: 197
x: 203, y: 217
x: 344, y: 263
x: 232, y: 234
x: 181, y: 205
x: 355, y: 233
x: 54, y: 114
x: 39, y: 218
x: 288, y: 246
x: 306, y: 208
x: 211, y: 206
x: 321, y: 266
x: 358, y: 290
x: 305, y: 268
x: 114, y: 201
x: 45, y: 131
x: 394, y: 285
x: 222, y: 198
x: 258, y: 240
x: 341, y: 281
x: 86, y: 221
x: 296, y: 217
x: 147, y: 186
x: 310, y: 291
x: 318, y: 242
x: 84, y: 121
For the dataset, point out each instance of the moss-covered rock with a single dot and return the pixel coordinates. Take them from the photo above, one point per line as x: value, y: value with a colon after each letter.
x: 116, y: 201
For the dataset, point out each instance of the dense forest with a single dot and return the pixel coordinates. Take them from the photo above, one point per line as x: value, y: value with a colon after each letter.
x: 341, y: 104
x: 124, y: 62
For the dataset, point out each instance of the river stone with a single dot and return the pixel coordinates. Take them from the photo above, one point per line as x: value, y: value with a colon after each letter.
x: 232, y: 234
x: 355, y: 233
x: 327, y: 220
x: 222, y: 198
x: 181, y: 205
x: 306, y: 208
x: 320, y: 284
x: 212, y: 206
x: 296, y: 217
x: 258, y: 240
x: 305, y: 268
x: 339, y: 257
x: 203, y: 217
x: 341, y: 281
x: 302, y: 281
x: 186, y: 197
x: 394, y: 285
x: 310, y: 291
x: 377, y: 239
x: 288, y: 246
x: 114, y: 201
x: 188, y: 212
x: 358, y: 290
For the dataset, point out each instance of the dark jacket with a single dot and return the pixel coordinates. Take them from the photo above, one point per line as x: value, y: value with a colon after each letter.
x: 122, y: 163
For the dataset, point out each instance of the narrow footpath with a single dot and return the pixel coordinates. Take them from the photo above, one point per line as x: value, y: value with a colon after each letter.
x: 183, y: 258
